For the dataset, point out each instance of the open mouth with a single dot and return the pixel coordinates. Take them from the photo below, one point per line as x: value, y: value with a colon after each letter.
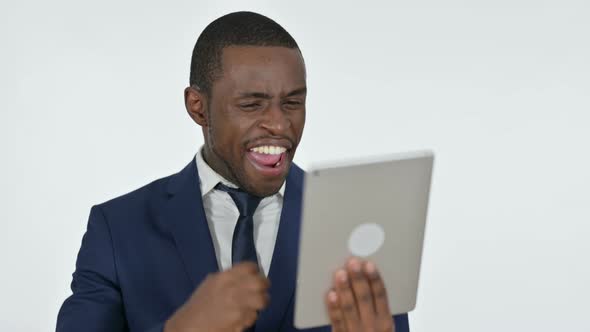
x: 269, y: 160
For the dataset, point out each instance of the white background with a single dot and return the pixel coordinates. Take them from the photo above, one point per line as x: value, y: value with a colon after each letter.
x: 91, y: 107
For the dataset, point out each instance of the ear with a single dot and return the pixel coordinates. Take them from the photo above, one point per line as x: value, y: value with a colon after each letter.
x: 196, y: 103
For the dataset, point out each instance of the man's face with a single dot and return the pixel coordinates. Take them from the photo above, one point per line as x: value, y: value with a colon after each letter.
x: 256, y: 116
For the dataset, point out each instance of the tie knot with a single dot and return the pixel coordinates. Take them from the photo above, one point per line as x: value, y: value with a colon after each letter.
x: 246, y: 203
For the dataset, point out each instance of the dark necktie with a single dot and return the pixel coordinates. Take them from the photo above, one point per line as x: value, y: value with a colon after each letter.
x: 243, y: 248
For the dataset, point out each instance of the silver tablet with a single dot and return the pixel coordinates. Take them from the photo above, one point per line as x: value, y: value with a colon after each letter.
x: 375, y: 209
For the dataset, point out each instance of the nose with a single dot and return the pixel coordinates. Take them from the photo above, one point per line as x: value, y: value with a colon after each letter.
x: 275, y: 120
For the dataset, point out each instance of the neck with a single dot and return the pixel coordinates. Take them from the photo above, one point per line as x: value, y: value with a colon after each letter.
x: 217, y: 164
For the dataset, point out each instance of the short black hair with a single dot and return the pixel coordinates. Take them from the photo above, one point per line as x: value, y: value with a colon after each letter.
x: 240, y: 29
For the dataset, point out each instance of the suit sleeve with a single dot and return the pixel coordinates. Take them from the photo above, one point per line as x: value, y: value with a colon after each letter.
x: 96, y: 303
x: 401, y: 323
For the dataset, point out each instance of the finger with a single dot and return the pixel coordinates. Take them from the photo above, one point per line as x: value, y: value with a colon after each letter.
x: 256, y: 283
x: 334, y: 312
x: 347, y: 302
x: 362, y: 293
x: 254, y: 300
x: 378, y: 290
x: 248, y: 319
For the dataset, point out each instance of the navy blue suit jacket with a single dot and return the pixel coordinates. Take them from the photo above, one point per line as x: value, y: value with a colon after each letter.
x: 144, y: 254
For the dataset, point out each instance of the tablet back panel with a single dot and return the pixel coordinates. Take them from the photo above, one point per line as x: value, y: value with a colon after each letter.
x: 390, y: 197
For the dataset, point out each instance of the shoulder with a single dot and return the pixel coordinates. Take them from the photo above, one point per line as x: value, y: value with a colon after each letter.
x: 156, y: 191
x: 136, y: 200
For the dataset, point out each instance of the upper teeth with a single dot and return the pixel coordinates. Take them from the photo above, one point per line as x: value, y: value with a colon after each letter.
x: 269, y: 149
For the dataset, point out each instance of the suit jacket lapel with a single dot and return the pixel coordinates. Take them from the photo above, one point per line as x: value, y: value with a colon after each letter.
x: 283, y: 266
x: 186, y: 220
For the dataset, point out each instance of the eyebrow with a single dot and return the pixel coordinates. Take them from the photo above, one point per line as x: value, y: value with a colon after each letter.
x: 263, y: 95
x: 297, y: 92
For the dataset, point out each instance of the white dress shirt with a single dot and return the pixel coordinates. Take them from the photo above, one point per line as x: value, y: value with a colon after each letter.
x: 222, y: 215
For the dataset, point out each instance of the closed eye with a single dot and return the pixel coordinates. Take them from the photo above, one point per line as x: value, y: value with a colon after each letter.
x: 293, y: 104
x: 250, y: 106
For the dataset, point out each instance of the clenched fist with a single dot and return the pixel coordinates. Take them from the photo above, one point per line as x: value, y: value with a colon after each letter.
x: 225, y: 301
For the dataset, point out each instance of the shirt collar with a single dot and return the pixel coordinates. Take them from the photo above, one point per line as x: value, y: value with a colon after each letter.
x: 209, y: 178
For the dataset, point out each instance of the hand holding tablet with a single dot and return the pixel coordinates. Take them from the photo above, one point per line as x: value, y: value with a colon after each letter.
x: 358, y: 299
x: 375, y: 210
